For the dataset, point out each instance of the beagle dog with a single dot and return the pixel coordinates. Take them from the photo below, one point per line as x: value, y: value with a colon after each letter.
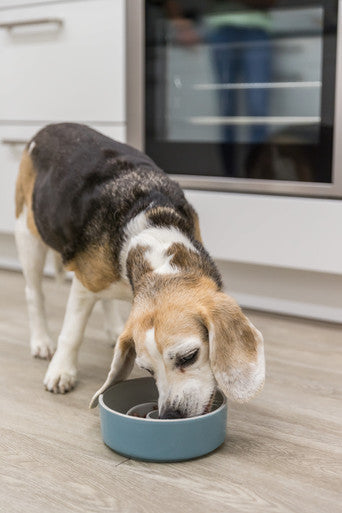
x: 127, y: 232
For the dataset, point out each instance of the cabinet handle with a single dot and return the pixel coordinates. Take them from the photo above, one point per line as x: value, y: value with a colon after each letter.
x: 14, y: 142
x: 39, y: 21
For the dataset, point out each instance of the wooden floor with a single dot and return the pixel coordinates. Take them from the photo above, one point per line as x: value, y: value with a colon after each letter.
x: 282, y: 453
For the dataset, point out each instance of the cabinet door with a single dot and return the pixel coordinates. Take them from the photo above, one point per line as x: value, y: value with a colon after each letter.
x: 63, y: 61
x: 12, y: 142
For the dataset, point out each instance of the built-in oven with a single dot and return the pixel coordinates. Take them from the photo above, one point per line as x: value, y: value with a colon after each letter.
x: 238, y: 95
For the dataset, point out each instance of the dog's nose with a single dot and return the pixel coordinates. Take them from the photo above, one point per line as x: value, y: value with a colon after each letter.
x: 170, y: 413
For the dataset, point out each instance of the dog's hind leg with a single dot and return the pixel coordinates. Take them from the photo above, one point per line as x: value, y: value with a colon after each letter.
x: 62, y: 371
x: 114, y: 321
x: 32, y: 254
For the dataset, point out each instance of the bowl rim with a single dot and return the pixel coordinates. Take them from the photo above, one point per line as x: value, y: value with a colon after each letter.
x: 160, y: 421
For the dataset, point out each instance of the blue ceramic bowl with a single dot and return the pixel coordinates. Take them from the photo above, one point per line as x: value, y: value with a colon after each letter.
x: 156, y: 439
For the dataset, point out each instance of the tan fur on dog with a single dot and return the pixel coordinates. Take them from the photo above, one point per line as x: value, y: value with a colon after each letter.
x: 137, y: 264
x: 94, y: 267
x: 197, y: 231
x: 24, y: 191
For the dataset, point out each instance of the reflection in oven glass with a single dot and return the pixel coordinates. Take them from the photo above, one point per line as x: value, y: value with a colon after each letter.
x: 243, y: 79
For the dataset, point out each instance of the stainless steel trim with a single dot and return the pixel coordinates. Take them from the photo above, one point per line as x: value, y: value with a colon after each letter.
x: 253, y: 120
x: 135, y: 121
x: 258, y: 85
x: 135, y: 57
x: 337, y: 146
x: 23, y: 23
x: 14, y: 142
x: 287, y: 188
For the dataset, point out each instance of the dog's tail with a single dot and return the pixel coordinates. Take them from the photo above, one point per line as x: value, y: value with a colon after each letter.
x: 59, y: 267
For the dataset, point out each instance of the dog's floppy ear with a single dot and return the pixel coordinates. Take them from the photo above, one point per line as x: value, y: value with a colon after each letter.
x: 122, y: 363
x: 236, y: 349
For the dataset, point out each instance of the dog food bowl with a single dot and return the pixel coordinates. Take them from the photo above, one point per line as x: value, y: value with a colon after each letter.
x: 154, y: 439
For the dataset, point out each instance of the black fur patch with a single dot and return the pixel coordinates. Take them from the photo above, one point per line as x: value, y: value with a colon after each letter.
x: 88, y: 187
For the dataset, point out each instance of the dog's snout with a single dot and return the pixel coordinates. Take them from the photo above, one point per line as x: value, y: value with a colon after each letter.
x: 171, y: 413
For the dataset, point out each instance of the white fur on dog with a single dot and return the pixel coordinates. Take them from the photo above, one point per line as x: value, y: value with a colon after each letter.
x: 31, y: 147
x: 32, y: 253
x: 62, y: 371
x: 188, y: 391
x: 242, y: 382
x: 157, y: 240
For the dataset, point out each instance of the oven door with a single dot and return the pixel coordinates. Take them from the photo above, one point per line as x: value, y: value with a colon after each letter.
x: 238, y: 95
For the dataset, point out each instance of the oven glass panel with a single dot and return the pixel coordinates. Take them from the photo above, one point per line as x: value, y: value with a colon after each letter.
x: 241, y: 89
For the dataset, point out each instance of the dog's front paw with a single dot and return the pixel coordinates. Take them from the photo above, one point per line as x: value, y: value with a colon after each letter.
x: 42, y: 347
x: 60, y: 376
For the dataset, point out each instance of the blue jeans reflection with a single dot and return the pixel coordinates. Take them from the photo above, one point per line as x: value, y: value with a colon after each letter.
x: 242, y: 55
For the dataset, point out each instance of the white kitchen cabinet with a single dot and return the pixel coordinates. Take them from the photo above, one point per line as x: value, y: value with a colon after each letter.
x: 70, y: 66
x: 60, y: 61
x: 12, y: 141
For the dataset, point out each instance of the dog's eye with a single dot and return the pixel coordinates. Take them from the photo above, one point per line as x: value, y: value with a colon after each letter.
x: 187, y: 359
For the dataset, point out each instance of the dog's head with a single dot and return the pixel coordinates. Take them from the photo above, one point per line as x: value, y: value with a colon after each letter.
x: 190, y: 338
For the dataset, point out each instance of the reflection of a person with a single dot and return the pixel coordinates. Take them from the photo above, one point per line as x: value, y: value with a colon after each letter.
x: 239, y: 36
x: 241, y: 53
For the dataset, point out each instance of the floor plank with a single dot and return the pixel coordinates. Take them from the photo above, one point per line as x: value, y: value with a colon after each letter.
x: 282, y: 453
